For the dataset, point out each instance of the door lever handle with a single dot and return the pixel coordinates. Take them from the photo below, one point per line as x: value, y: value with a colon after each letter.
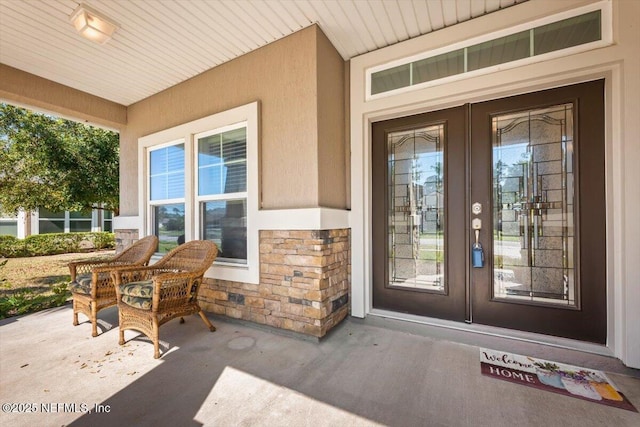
x: 477, y: 254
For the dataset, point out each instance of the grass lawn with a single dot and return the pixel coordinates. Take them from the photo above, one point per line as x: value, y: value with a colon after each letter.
x: 34, y: 283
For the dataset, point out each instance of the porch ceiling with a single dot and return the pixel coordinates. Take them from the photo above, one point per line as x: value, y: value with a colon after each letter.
x: 162, y: 43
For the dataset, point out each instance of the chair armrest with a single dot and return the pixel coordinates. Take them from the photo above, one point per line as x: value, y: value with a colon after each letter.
x: 85, y: 267
x: 174, y: 289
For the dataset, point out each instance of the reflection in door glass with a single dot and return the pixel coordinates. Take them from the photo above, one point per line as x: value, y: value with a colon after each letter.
x: 533, y: 206
x: 416, y: 208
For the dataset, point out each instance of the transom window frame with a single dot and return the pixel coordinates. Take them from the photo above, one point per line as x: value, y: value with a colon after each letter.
x: 247, y: 115
x: 604, y: 7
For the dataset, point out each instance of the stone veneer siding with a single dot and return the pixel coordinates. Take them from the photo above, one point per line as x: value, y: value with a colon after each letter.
x: 125, y: 238
x: 304, y: 283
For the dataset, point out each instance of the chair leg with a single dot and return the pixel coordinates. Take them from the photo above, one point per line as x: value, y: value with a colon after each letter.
x: 94, y: 319
x: 120, y: 328
x: 156, y: 339
x: 75, y: 314
x: 206, y: 321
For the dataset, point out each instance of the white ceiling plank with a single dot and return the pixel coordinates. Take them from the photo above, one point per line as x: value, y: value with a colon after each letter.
x: 423, y: 18
x: 289, y: 14
x: 491, y: 5
x: 249, y: 14
x: 463, y: 10
x: 449, y: 12
x: 396, y: 20
x: 381, y: 20
x: 409, y: 17
x: 143, y: 39
x: 331, y: 12
x: 369, y: 19
x: 243, y: 25
x: 477, y: 7
x: 436, y: 15
x: 365, y: 41
x: 161, y: 43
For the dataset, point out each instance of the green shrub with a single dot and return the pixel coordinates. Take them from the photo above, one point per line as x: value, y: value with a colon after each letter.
x: 54, y: 243
x: 103, y: 240
x: 26, y: 301
x: 12, y: 247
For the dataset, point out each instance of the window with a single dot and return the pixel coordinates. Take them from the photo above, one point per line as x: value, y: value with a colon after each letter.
x: 481, y: 54
x: 107, y: 221
x: 79, y: 222
x: 201, y: 182
x: 8, y: 227
x: 166, y: 190
x: 222, y: 191
x: 50, y: 222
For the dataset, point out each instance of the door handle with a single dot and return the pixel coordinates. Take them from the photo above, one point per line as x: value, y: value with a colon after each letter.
x: 477, y: 253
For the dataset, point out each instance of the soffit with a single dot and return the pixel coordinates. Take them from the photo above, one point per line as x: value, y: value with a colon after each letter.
x: 162, y: 43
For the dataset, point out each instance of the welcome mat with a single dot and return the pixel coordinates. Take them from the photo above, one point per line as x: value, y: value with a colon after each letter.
x: 569, y: 380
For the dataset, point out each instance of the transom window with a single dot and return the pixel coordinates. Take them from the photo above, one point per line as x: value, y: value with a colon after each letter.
x: 588, y: 28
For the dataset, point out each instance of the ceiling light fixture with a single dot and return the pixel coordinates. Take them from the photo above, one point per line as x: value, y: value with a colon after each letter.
x: 93, y: 25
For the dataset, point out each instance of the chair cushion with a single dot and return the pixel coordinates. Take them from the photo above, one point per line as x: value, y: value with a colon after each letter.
x: 137, y: 302
x: 82, y: 284
x: 138, y: 294
x: 142, y: 289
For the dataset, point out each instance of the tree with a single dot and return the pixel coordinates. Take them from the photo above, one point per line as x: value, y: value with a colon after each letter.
x: 57, y: 164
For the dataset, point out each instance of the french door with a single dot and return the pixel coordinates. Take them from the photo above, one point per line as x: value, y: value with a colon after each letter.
x: 494, y: 213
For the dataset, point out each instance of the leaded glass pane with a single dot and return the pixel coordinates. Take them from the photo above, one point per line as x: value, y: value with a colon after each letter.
x: 533, y: 206
x: 416, y: 208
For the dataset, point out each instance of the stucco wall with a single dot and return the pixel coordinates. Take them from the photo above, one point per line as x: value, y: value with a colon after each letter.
x: 284, y: 77
x: 331, y: 125
x: 24, y: 89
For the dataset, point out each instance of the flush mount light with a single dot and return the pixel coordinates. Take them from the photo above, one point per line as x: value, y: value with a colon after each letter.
x: 93, y: 25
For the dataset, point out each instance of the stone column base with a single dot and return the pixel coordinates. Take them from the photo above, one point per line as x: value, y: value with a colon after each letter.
x: 304, y: 283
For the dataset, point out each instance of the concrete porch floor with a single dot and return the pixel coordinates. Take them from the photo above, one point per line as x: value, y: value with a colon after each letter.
x: 365, y: 373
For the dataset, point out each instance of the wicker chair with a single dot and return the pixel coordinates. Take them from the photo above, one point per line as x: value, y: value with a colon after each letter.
x: 150, y: 296
x: 91, y: 285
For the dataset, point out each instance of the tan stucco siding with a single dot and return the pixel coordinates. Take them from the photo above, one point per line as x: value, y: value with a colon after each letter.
x: 282, y: 77
x: 24, y: 89
x: 332, y: 187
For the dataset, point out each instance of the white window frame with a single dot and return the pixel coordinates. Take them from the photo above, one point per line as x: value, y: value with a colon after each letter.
x: 245, y: 115
x: 218, y: 197
x: 151, y: 204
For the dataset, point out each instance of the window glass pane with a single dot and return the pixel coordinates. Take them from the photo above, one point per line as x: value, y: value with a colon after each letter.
x: 416, y: 238
x: 533, y: 206
x: 393, y: 78
x: 78, y: 226
x: 45, y: 213
x: 438, y: 67
x: 9, y: 228
x: 498, y: 51
x: 47, y: 226
x: 167, y: 172
x: 107, y: 226
x: 225, y: 223
x: 222, y: 163
x: 107, y: 214
x: 80, y: 214
x: 570, y: 32
x: 168, y: 225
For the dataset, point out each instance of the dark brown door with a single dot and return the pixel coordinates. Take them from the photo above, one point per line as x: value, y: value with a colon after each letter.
x: 418, y: 199
x: 534, y: 166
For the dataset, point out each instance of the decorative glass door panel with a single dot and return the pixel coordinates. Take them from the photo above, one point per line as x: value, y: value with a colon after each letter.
x: 416, y: 208
x: 533, y: 206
